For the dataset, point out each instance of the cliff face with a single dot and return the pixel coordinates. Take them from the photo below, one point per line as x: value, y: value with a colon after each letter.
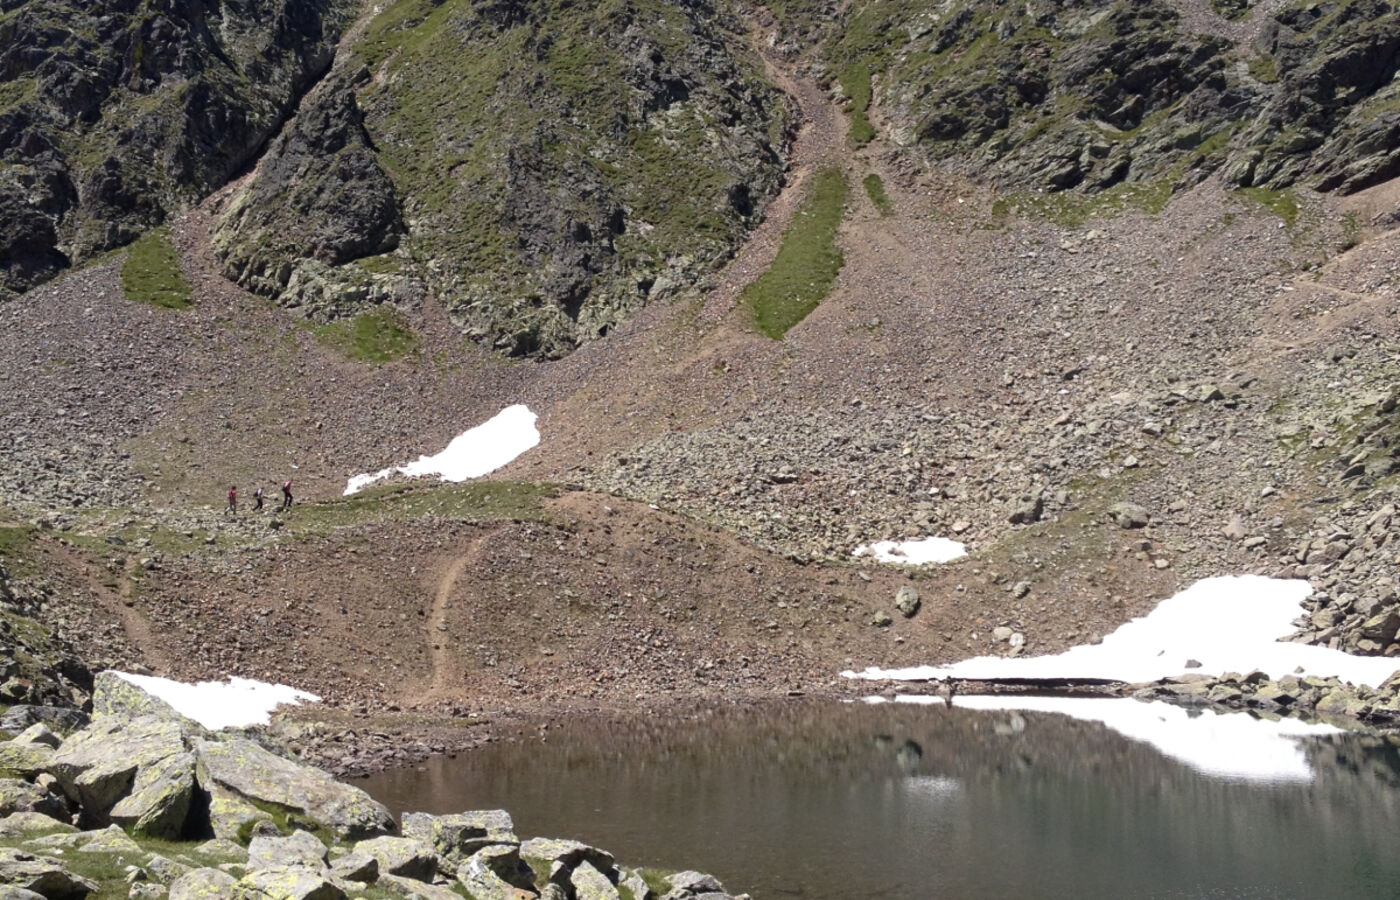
x: 1092, y: 93
x: 555, y: 165
x: 115, y: 114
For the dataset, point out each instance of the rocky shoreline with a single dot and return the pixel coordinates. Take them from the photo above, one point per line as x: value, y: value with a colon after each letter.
x: 168, y: 809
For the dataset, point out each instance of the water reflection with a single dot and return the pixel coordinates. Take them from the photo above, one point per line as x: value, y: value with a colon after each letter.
x: 898, y: 801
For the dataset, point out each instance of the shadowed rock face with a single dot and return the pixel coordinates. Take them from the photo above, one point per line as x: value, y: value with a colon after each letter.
x: 555, y: 166
x: 319, y: 194
x: 116, y: 113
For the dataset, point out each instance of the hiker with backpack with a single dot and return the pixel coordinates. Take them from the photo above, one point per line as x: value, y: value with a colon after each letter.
x: 286, y: 495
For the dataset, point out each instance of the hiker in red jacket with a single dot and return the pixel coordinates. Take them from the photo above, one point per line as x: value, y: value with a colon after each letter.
x: 232, y: 501
x: 287, y: 495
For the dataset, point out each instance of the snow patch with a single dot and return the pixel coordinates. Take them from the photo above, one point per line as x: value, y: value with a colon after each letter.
x: 471, y: 454
x: 221, y: 704
x: 914, y: 553
x: 1235, y: 746
x: 1227, y: 624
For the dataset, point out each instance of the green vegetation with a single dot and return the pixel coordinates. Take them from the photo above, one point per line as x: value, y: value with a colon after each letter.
x: 14, y: 541
x: 875, y: 190
x: 807, y: 261
x: 1072, y: 210
x: 475, y: 501
x: 1282, y: 203
x: 855, y: 81
x: 151, y: 273
x: 497, y: 132
x: 1351, y: 230
x: 377, y: 336
x: 1232, y: 9
x: 1264, y: 69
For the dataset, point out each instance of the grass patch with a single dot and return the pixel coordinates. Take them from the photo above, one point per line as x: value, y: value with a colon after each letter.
x: 377, y: 336
x: 151, y: 273
x: 1264, y: 69
x: 1283, y: 204
x: 855, y: 82
x: 476, y: 501
x: 14, y: 542
x: 807, y: 261
x: 1073, y: 209
x: 875, y: 190
x: 1351, y: 230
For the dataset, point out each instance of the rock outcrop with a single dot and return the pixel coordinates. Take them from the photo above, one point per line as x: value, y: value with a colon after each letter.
x: 115, y: 114
x: 543, y: 210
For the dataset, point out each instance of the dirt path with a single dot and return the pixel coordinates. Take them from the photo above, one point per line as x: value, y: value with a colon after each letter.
x: 137, y: 627
x: 441, y: 651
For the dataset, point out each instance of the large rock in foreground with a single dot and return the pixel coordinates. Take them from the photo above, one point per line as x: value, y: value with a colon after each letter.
x: 41, y: 875
x: 244, y: 780
x: 98, y: 767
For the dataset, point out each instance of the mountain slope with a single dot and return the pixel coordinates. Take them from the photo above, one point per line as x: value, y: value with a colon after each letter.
x: 556, y: 166
x: 115, y: 115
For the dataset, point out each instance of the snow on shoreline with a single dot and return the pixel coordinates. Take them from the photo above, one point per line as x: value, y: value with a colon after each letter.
x: 1226, y: 624
x: 221, y: 704
x: 1231, y: 745
x: 475, y: 452
x: 914, y: 553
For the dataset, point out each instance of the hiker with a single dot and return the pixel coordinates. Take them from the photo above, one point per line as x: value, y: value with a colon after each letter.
x: 286, y: 495
x: 232, y: 501
x: 257, y: 499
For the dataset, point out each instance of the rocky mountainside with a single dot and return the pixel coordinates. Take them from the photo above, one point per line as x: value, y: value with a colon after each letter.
x: 117, y: 114
x: 543, y: 169
x: 1052, y: 325
x: 1088, y: 95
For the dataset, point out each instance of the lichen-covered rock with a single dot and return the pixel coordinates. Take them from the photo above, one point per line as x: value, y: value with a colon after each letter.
x: 24, y: 760
x: 160, y: 798
x: 286, y: 884
x: 163, y: 870
x: 244, y: 770
x: 637, y: 885
x: 111, y: 840
x: 41, y: 875
x: 692, y: 884
x: 97, y: 766
x: 300, y: 848
x: 495, y: 873
x: 410, y: 889
x: 115, y: 697
x: 59, y: 719
x: 17, y: 795
x: 232, y: 818
x: 402, y: 856
x: 590, y: 884
x: 567, y: 853
x: 38, y: 733
x: 357, y: 867
x: 222, y: 849
x: 25, y: 824
x: 145, y: 890
x: 456, y: 837
x: 203, y: 884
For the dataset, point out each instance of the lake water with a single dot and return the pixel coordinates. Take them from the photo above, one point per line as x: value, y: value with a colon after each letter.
x: 828, y: 801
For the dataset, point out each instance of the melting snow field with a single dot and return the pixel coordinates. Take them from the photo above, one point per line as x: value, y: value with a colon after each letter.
x: 914, y: 553
x: 221, y: 704
x: 1236, y: 746
x: 471, y: 454
x: 1228, y: 624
